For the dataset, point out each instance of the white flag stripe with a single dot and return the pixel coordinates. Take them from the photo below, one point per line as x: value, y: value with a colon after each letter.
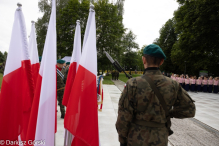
x: 18, y: 41
x: 90, y: 43
x: 45, y: 129
x: 34, y: 58
x: 86, y: 31
x: 76, y: 55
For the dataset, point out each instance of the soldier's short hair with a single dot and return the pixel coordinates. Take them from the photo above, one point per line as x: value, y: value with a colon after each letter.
x: 152, y: 60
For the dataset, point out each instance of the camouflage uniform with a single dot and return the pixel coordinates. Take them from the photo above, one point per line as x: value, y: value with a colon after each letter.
x: 117, y: 75
x: 60, y: 93
x: 138, y: 102
x: 113, y: 75
x: 66, y: 75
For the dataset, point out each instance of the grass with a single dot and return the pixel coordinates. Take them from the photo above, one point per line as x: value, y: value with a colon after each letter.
x: 107, y: 80
x: 1, y: 77
x: 123, y: 78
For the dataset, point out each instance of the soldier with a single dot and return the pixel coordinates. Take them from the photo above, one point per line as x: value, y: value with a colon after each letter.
x: 67, y: 65
x: 60, y: 85
x: 113, y: 74
x: 116, y: 75
x: 141, y: 117
x: 66, y: 71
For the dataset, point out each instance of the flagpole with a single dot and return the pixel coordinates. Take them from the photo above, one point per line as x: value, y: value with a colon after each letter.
x: 68, y: 133
x: 65, y: 137
x: 54, y: 139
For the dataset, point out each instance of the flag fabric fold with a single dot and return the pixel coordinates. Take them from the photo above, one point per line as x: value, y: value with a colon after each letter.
x: 17, y: 86
x: 76, y: 55
x: 81, y: 117
x: 42, y: 119
x: 34, y: 57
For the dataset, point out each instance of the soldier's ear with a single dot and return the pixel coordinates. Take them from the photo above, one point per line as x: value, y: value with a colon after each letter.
x: 144, y: 60
x: 161, y: 62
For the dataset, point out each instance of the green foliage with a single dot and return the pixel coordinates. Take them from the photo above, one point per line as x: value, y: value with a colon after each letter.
x: 166, y: 41
x: 120, y: 5
x: 66, y: 24
x: 1, y: 77
x: 130, y: 60
x: 42, y: 23
x: 123, y: 77
x: 110, y: 30
x: 190, y: 39
x: 107, y: 80
x: 130, y: 57
x: 3, y: 56
x: 129, y: 41
x: 140, y: 65
x: 197, y: 25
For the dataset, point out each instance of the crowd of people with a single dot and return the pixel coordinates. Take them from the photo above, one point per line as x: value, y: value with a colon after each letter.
x: 200, y: 84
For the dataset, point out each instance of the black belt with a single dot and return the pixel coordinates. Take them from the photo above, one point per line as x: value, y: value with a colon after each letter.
x: 149, y: 124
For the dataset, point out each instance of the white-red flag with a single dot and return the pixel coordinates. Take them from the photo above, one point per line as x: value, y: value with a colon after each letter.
x: 17, y: 85
x: 34, y: 58
x: 42, y: 119
x: 75, y: 58
x: 81, y: 117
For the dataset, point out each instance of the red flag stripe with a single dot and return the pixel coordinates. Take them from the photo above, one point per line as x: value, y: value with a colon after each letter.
x: 81, y: 117
x: 69, y: 82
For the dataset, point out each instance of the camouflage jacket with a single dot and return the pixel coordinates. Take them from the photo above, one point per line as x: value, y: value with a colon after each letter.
x: 138, y: 102
x: 60, y: 81
x: 66, y: 75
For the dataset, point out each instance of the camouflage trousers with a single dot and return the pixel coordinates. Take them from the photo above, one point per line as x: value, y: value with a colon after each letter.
x: 59, y: 98
x: 147, y: 136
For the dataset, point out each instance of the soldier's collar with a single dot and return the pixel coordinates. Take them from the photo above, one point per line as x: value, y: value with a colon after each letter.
x: 151, y: 68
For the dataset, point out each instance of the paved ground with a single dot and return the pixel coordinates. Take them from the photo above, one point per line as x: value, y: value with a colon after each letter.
x: 189, y: 132
x: 201, y: 130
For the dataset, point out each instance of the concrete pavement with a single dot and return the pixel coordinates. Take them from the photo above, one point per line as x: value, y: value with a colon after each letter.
x: 203, y: 130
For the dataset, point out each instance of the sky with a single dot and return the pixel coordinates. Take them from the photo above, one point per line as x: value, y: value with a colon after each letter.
x: 143, y: 17
x: 7, y: 11
x: 146, y: 17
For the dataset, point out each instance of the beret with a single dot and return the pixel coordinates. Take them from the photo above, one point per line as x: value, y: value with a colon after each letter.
x: 155, y: 51
x: 40, y: 58
x: 67, y: 63
x: 61, y: 61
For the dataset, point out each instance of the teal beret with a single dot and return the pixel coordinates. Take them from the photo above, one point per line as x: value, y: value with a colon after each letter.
x: 40, y: 58
x: 67, y: 63
x: 155, y: 51
x: 60, y: 61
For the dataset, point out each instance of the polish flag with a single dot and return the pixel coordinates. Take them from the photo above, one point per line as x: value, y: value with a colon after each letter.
x: 42, y: 119
x: 76, y: 55
x: 34, y: 58
x: 81, y: 117
x: 17, y: 86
